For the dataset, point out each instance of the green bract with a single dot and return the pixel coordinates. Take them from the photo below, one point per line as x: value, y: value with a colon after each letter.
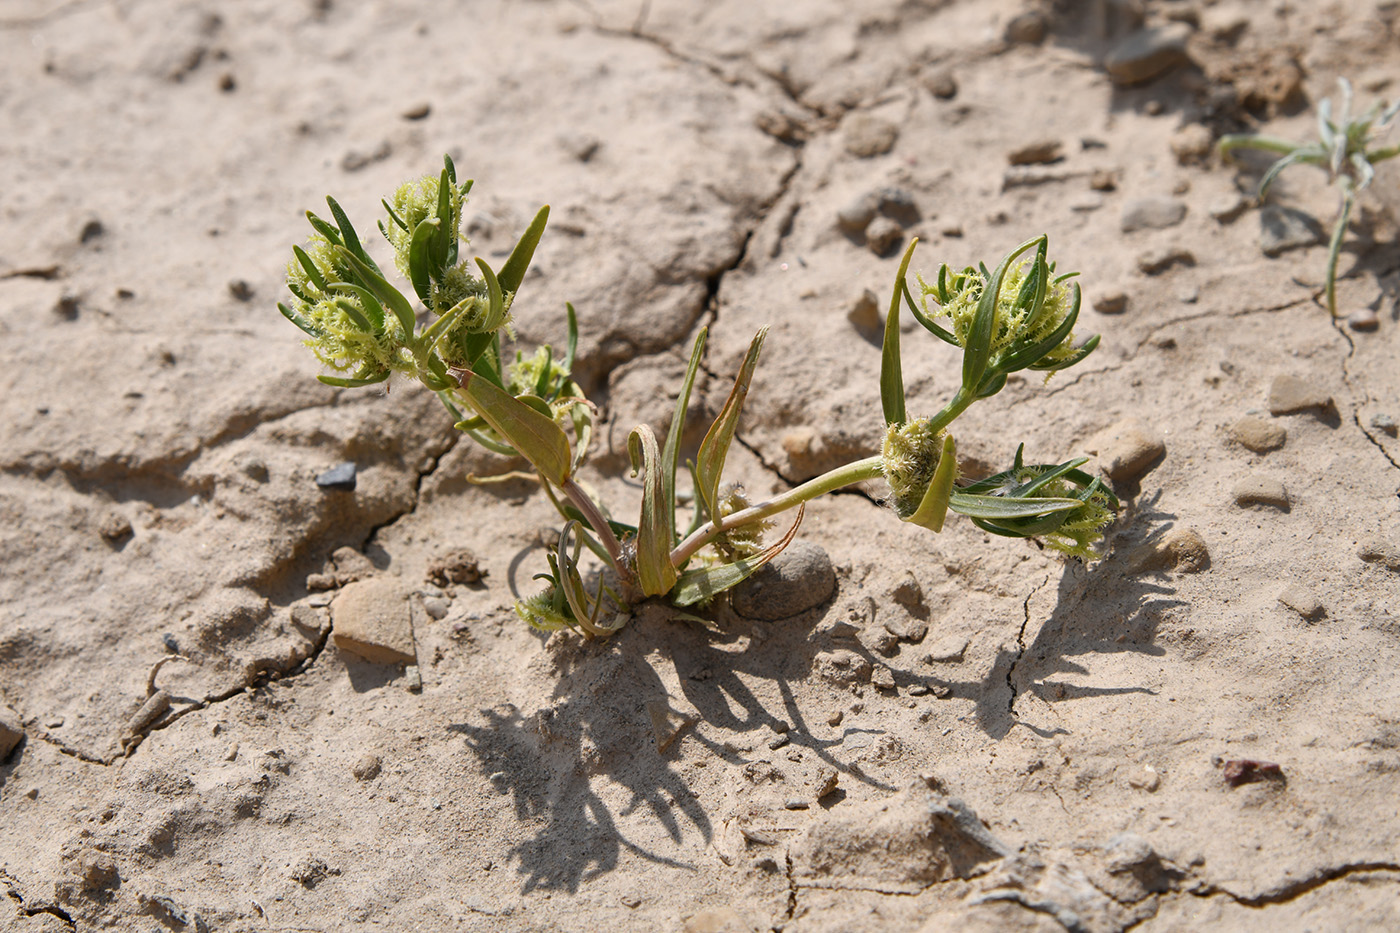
x: 1347, y: 148
x: 1019, y: 316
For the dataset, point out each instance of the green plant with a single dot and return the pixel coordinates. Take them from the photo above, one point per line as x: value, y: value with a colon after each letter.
x: 1345, y: 147
x: 1019, y: 316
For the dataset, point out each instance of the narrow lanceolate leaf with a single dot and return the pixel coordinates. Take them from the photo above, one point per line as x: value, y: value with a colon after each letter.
x: 656, y: 531
x: 979, y: 339
x: 704, y: 583
x: 671, y: 451
x: 933, y: 509
x: 388, y: 294
x: 709, y: 462
x: 513, y: 272
x: 443, y: 234
x: 420, y: 262
x: 891, y: 367
x: 341, y: 383
x: 533, y: 434
x: 348, y: 236
x: 298, y: 320
x: 1000, y: 507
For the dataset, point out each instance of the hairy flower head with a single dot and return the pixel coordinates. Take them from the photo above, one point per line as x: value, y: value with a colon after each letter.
x: 909, y: 457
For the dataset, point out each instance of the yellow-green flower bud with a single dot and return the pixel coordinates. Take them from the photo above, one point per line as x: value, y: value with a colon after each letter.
x: 909, y: 458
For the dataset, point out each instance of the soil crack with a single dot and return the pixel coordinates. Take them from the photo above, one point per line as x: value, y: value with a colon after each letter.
x: 1021, y: 649
x: 1305, y: 885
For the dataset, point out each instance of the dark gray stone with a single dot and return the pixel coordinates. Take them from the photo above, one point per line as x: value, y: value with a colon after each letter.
x: 798, y: 579
x: 341, y: 477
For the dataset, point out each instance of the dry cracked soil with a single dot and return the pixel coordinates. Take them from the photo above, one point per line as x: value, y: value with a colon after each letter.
x: 1199, y: 731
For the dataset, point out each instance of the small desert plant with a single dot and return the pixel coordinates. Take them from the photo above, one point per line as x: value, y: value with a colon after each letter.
x: 1345, y: 147
x: 1018, y: 316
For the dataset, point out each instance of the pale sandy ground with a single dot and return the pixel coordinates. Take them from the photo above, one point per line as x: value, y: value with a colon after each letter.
x: 160, y: 435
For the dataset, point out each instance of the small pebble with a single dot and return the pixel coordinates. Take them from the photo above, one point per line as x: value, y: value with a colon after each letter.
x: 1152, y: 214
x: 339, y: 477
x: 1037, y: 152
x: 1112, y: 300
x: 1289, y: 394
x: 1179, y: 549
x: 114, y: 528
x: 826, y: 782
x: 798, y: 579
x: 1128, y: 450
x: 778, y: 741
x: 882, y: 677
x: 942, y: 84
x: 866, y: 135
x: 1103, y: 179
x: 437, y: 607
x: 1260, y: 490
x: 1028, y: 28
x: 367, y: 768
x: 834, y: 719
x: 1229, y: 208
x: 864, y: 316
x: 1284, y: 228
x: 418, y: 111
x: 1384, y: 422
x: 1257, y: 434
x: 1086, y: 204
x: 1365, y: 320
x: 1380, y: 551
x: 918, y: 690
x: 898, y: 205
x: 91, y: 231
x: 857, y: 215
x: 11, y: 731
x: 1192, y: 143
x: 1147, y: 779
x: 1302, y: 601
x: 796, y: 803
x: 883, y: 236
x: 241, y: 290
x: 1148, y: 53
x: 1157, y: 261
x: 950, y: 649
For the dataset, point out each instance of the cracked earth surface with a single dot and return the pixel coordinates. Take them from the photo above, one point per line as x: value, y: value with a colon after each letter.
x: 1016, y: 742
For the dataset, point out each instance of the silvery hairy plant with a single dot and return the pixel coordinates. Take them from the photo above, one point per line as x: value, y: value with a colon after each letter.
x: 1018, y: 316
x: 1346, y: 147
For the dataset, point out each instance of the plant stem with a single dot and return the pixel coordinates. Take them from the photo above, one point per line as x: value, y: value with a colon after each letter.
x: 585, y: 504
x: 956, y: 406
x: 855, y: 472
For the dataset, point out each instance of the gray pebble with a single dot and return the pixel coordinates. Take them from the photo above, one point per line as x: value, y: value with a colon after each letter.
x: 882, y: 677
x: 1152, y: 214
x: 340, y: 477
x: 1157, y: 261
x: 1147, y: 53
x: 1260, y: 490
x: 1302, y: 601
x: 437, y: 607
x: 798, y: 579
x: 1285, y: 228
x: 918, y: 690
x: 796, y: 803
x: 883, y: 236
x: 856, y: 216
x: 778, y: 741
x: 898, y: 205
x: 1289, y: 394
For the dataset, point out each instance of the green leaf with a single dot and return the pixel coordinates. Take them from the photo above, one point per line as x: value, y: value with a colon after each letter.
x: 513, y: 272
x: 702, y: 584
x: 933, y: 509
x: 1089, y: 346
x: 420, y: 263
x: 373, y: 308
x: 891, y: 367
x: 326, y: 230
x: 359, y: 320
x: 656, y: 531
x: 444, y: 234
x: 348, y: 235
x: 570, y: 348
x: 670, y: 453
x: 298, y: 320
x: 978, y: 351
x: 386, y: 293
x: 338, y: 382
x: 709, y: 462
x: 495, y: 293
x: 533, y: 434
x: 1022, y: 357
x: 312, y: 273
x: 998, y: 508
x: 929, y: 324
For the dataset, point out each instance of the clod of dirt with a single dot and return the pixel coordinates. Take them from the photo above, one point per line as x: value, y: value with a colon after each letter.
x: 459, y: 566
x: 899, y: 845
x: 1148, y: 53
x: 1028, y: 28
x: 798, y: 579
x: 11, y: 731
x: 667, y: 723
x: 1180, y: 549
x: 857, y: 215
x: 1260, y: 490
x: 942, y: 84
x: 114, y: 528
x: 1380, y: 551
x: 866, y: 135
x: 1284, y: 228
x: 1257, y: 434
x: 1192, y: 144
x: 865, y: 316
x: 367, y: 768
x: 1246, y: 771
x: 1290, y: 394
x: 1127, y: 450
x: 1152, y: 213
x: 1302, y: 601
x: 883, y: 236
x: 841, y: 668
x: 371, y: 619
